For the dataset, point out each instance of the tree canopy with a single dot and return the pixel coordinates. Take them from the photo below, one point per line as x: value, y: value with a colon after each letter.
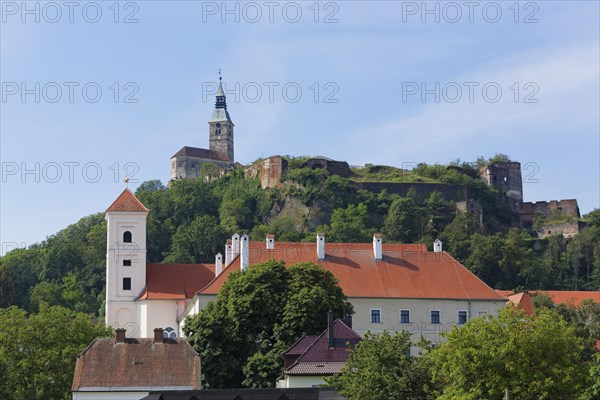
x: 257, y: 315
x: 380, y: 368
x: 38, y: 351
x: 534, y: 357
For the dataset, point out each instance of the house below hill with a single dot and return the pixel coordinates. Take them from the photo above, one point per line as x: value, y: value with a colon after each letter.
x: 312, y: 358
x: 130, y: 368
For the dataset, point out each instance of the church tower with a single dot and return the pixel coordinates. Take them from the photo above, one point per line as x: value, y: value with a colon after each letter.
x: 221, y: 127
x: 125, y: 262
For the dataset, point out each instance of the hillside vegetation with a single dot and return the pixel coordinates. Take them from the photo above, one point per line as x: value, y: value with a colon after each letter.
x: 191, y: 221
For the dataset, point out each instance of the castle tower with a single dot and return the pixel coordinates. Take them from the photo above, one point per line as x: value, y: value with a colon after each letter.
x: 221, y: 127
x: 125, y: 261
x: 505, y: 177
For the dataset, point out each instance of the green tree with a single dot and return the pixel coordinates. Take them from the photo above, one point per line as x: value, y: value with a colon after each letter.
x: 40, y: 351
x: 198, y: 242
x: 403, y: 221
x: 380, y: 368
x: 257, y: 314
x: 457, y: 236
x: 534, y: 357
x: 351, y: 225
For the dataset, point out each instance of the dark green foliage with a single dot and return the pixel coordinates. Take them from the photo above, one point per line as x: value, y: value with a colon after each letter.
x: 38, y: 351
x: 257, y: 315
x: 380, y: 368
x: 534, y: 357
x: 351, y: 225
x: 197, y: 242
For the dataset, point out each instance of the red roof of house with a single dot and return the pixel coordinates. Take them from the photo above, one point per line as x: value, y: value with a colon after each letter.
x: 319, y: 358
x: 562, y: 296
x: 176, y: 281
x: 127, y: 202
x: 523, y: 301
x: 406, y: 271
x: 137, y: 363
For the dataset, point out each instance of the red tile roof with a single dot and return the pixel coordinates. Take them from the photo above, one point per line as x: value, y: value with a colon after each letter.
x: 572, y: 297
x: 137, y: 363
x: 562, y: 296
x: 127, y: 202
x: 319, y: 358
x: 176, y: 281
x: 406, y: 271
x: 523, y: 301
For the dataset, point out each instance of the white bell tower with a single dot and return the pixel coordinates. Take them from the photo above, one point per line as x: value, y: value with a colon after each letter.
x: 125, y: 262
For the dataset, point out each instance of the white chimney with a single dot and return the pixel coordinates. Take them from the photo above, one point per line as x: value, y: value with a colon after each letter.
x: 377, y: 247
x: 245, y: 254
x: 228, y: 252
x: 270, y: 242
x: 218, y: 264
x: 437, y: 246
x: 235, y: 241
x: 320, y: 245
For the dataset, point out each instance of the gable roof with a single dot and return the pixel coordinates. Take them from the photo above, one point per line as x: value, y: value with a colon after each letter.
x: 175, y: 281
x: 127, y: 202
x: 108, y: 365
x: 406, y: 271
x: 206, y: 154
x: 319, y: 358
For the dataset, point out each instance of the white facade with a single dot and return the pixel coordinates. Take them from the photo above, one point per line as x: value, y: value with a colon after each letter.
x: 125, y: 268
x: 300, y: 381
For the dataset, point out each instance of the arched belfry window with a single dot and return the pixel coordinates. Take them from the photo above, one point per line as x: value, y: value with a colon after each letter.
x: 218, y: 129
x: 126, y: 237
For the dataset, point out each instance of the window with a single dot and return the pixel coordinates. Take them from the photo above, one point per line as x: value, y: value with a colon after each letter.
x: 127, y: 263
x: 169, y: 333
x: 218, y: 129
x: 126, y: 283
x: 126, y: 237
x: 435, y: 316
x: 462, y: 317
x: 405, y: 316
x: 375, y: 316
x: 481, y: 313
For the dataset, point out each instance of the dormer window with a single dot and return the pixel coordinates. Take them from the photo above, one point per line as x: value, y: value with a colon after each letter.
x: 126, y: 237
x: 169, y: 333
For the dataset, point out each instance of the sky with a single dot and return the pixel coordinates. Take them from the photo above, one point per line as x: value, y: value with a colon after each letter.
x: 93, y: 92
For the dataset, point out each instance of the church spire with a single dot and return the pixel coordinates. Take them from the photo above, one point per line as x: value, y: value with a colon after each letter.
x: 221, y: 100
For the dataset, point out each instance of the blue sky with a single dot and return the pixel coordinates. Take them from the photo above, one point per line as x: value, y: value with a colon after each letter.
x: 390, y: 82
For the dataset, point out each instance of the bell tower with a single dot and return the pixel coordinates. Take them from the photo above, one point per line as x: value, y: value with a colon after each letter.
x: 220, y: 136
x: 125, y: 262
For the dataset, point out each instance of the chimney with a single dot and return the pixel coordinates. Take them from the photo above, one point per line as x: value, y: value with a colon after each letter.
x: 158, y: 335
x: 320, y: 246
x: 235, y: 242
x: 348, y: 321
x: 377, y: 247
x: 120, y: 335
x: 218, y: 264
x: 228, y: 252
x: 437, y: 246
x: 270, y: 242
x: 330, y: 337
x: 244, y: 257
